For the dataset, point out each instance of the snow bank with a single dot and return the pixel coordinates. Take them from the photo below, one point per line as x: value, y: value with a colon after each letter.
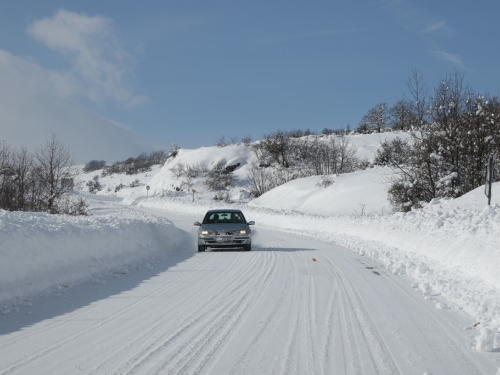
x: 40, y: 252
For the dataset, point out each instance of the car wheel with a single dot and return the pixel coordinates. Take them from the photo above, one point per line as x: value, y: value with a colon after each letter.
x: 201, y: 248
x: 247, y: 247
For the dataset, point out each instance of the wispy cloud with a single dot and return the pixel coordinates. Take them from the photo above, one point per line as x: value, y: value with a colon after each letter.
x: 428, y: 26
x: 435, y: 26
x: 444, y: 55
x: 98, y: 63
x: 323, y: 33
x: 312, y: 34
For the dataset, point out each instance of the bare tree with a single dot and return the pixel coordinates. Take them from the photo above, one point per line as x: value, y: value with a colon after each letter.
x: 53, y: 163
x: 418, y: 97
x: 259, y: 150
x: 377, y: 117
x: 347, y: 156
x: 259, y: 180
x: 246, y: 140
x: 278, y: 146
x: 403, y: 117
x: 6, y: 178
x: 23, y: 169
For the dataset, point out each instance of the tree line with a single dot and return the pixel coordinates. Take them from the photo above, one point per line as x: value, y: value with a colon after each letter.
x: 142, y: 163
x: 284, y: 156
x: 40, y: 181
x: 454, y: 132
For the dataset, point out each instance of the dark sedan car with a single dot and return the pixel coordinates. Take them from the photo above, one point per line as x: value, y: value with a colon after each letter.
x: 224, y: 229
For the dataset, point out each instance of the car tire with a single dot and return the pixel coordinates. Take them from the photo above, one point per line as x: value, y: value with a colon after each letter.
x: 247, y: 247
x: 201, y: 248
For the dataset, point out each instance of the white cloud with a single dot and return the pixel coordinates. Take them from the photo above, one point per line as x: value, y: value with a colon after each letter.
x: 34, y: 104
x: 98, y: 63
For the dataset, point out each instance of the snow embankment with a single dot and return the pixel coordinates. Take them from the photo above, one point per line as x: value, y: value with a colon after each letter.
x: 42, y: 252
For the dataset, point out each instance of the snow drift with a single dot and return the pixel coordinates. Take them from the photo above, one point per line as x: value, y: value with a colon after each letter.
x: 41, y: 251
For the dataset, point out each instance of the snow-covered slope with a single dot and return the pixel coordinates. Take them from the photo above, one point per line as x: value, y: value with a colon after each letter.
x: 366, y: 145
x: 359, y: 192
x: 165, y: 179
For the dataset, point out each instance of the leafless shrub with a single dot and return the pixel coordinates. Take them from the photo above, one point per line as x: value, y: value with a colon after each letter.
x: 325, y: 181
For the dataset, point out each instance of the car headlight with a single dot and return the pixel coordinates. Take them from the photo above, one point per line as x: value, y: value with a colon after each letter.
x: 205, y: 232
x: 243, y: 231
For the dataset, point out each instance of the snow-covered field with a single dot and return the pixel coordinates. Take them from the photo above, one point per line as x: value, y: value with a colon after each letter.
x: 448, y: 253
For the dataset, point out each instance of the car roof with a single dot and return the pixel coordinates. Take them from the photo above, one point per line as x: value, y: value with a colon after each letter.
x: 223, y: 210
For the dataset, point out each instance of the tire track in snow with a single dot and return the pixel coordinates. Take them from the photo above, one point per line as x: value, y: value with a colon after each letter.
x: 245, y: 310
x: 192, y: 357
x: 159, y: 342
x: 461, y: 360
x: 54, y: 323
x: 144, y: 343
x: 12, y: 368
x: 281, y: 308
x: 380, y: 354
x: 291, y: 353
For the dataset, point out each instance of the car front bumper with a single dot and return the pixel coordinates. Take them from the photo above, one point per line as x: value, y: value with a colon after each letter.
x: 226, y: 242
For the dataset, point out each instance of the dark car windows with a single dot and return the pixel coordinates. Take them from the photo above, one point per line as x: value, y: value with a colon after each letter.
x: 224, y: 217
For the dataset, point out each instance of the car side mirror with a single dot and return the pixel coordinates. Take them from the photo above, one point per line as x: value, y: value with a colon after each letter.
x: 197, y: 223
x: 251, y: 223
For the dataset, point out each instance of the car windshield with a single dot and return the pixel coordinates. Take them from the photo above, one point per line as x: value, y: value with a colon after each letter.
x: 223, y: 217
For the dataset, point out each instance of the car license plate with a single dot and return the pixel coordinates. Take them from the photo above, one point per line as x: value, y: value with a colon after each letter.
x: 223, y: 239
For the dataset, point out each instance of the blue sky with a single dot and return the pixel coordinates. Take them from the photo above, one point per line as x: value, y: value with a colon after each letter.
x: 192, y: 71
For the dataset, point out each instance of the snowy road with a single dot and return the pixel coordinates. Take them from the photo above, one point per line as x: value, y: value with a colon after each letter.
x: 269, y: 311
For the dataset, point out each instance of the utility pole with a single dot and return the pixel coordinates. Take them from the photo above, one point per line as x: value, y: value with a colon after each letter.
x: 489, y: 179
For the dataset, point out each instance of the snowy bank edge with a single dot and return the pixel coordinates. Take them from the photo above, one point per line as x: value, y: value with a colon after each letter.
x: 44, y: 253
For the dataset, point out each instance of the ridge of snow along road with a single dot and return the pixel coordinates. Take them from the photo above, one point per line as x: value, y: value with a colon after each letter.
x: 450, y: 248
x: 43, y: 253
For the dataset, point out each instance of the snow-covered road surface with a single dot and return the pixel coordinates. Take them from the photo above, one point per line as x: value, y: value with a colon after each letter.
x: 269, y: 311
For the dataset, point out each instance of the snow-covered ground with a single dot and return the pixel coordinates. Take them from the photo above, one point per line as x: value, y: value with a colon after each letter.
x: 448, y: 252
x: 293, y: 305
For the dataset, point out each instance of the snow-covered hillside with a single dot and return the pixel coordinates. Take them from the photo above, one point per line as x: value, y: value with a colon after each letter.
x: 239, y: 156
x: 362, y: 192
x: 169, y: 181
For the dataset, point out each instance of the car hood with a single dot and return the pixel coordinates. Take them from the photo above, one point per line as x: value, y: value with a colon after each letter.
x: 224, y: 227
